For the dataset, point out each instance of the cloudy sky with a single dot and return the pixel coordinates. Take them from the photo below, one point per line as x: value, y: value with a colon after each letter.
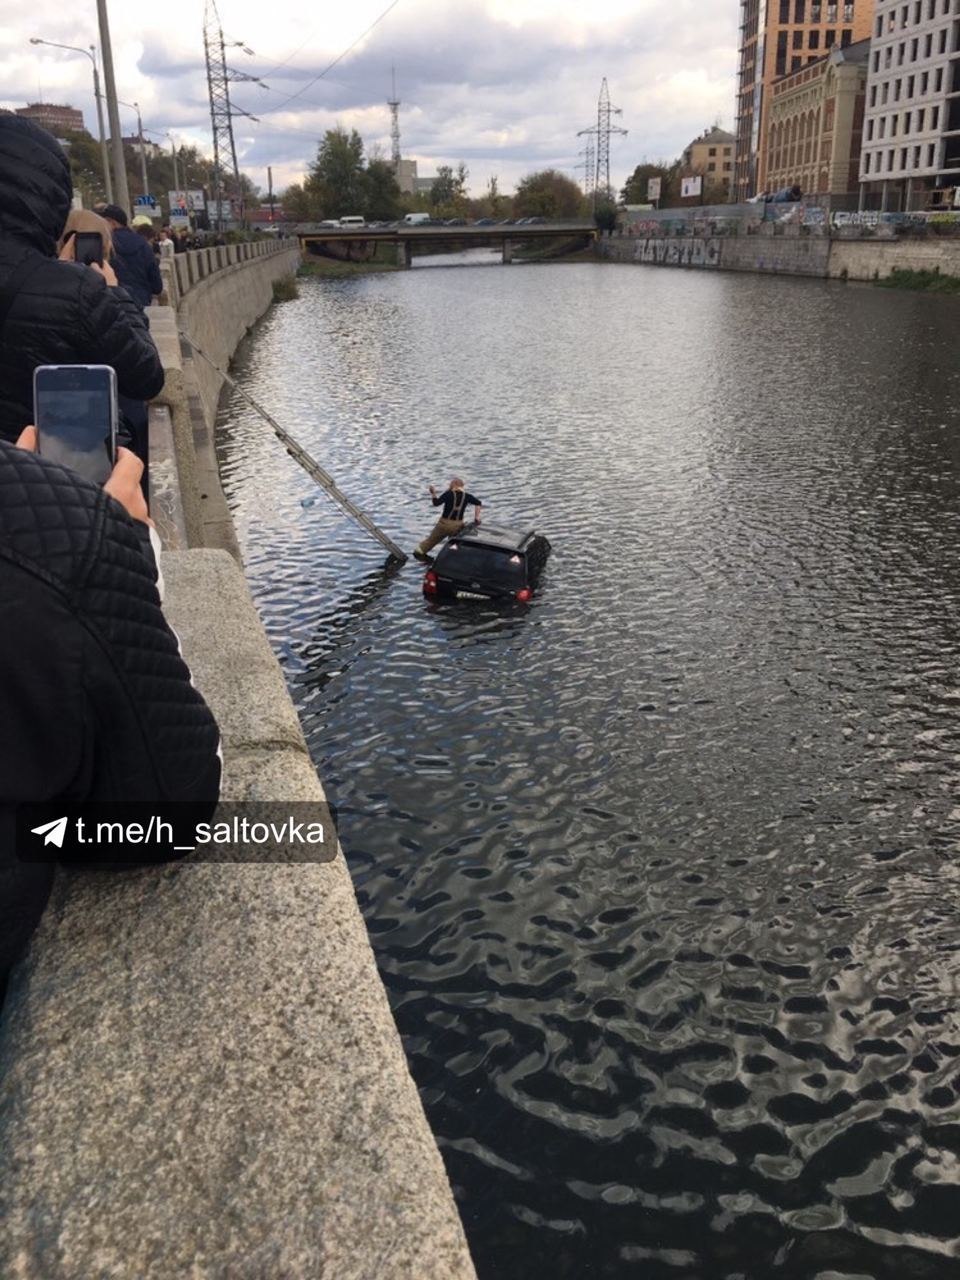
x: 503, y: 85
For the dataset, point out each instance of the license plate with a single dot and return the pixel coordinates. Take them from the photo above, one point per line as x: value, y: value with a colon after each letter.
x: 471, y: 595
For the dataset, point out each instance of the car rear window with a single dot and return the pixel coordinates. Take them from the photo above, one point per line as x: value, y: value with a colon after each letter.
x: 484, y: 564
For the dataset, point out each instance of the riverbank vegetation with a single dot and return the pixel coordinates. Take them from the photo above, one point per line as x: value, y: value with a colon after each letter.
x: 921, y: 281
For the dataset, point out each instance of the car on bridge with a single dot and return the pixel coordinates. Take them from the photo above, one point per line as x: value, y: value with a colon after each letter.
x: 487, y: 562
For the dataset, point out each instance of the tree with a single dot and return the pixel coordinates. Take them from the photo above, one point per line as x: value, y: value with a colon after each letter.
x: 337, y: 178
x: 605, y: 217
x: 635, y: 191
x: 548, y: 194
x: 382, y: 194
x: 299, y: 203
x: 448, y: 195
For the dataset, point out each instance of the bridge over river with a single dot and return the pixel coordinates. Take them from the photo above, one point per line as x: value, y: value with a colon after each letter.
x: 318, y: 240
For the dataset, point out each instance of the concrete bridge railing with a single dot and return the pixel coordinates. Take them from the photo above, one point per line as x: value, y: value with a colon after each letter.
x: 199, y: 1071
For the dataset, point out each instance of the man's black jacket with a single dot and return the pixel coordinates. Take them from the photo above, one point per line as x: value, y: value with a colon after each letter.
x: 95, y: 701
x: 64, y: 313
x: 136, y: 266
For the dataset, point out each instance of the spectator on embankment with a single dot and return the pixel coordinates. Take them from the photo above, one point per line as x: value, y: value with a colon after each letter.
x: 55, y: 312
x: 134, y: 260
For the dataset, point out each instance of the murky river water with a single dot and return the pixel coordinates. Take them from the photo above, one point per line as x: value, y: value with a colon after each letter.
x: 660, y: 871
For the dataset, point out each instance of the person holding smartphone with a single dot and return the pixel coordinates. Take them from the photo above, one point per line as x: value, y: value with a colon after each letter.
x: 96, y: 703
x: 90, y: 234
x: 56, y: 312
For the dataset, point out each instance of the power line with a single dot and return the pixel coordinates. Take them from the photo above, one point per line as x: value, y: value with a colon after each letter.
x: 329, y: 67
x: 604, y: 130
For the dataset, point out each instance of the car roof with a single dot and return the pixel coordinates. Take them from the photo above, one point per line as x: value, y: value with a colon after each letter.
x: 491, y: 535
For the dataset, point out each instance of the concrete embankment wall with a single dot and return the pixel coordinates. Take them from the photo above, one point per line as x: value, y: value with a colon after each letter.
x: 788, y: 253
x: 199, y: 1071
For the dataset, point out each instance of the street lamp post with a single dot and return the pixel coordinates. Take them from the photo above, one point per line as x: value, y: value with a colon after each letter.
x: 113, y: 112
x: 92, y: 55
x: 143, y: 145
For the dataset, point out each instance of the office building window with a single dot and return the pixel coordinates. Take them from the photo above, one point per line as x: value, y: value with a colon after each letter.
x: 914, y: 49
x: 879, y: 25
x: 921, y: 116
x: 784, y: 10
x: 943, y: 40
x: 906, y: 121
x: 873, y: 95
x: 928, y: 44
x: 885, y: 92
x: 798, y: 39
x: 845, y: 37
x: 815, y: 40
x: 829, y: 39
x: 934, y: 117
x: 903, y: 157
x: 890, y: 156
x: 866, y: 162
x: 916, y: 157
x: 911, y: 85
x: 931, y: 155
x: 798, y: 11
x: 848, y: 13
x: 904, y: 15
x: 711, y: 151
x: 896, y: 90
x: 796, y: 64
x: 831, y: 13
x: 924, y: 83
x: 917, y: 11
x: 882, y: 127
x: 893, y: 126
x: 931, y: 10
x: 712, y: 167
x: 938, y: 80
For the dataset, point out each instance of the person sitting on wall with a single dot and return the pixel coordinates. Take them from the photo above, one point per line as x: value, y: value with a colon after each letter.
x: 454, y: 501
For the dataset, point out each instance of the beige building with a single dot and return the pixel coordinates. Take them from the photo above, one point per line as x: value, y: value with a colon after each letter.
x: 815, y: 124
x: 713, y: 155
x: 406, y: 172
x: 778, y: 37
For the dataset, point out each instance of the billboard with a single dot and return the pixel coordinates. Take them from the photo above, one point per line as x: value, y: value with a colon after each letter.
x: 177, y: 201
x: 195, y: 201
x: 653, y: 188
x: 691, y: 187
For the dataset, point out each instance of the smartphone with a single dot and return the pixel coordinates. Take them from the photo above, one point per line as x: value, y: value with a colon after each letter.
x: 88, y: 247
x: 75, y: 412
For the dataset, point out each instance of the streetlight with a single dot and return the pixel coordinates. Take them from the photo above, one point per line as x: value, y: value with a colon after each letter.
x: 90, y: 53
x: 143, y: 148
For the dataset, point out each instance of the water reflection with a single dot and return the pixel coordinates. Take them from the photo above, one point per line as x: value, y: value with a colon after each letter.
x: 660, y: 869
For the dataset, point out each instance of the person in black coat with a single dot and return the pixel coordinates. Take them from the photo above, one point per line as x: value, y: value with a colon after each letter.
x: 96, y: 703
x: 61, y: 312
x: 133, y: 258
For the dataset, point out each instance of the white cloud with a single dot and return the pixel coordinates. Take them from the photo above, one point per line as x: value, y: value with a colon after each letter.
x: 502, y: 84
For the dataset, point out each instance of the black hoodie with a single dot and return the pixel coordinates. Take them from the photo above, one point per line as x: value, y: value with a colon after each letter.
x: 64, y: 313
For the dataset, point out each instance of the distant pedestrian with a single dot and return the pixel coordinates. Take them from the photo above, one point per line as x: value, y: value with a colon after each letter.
x: 134, y: 260
x: 454, y: 501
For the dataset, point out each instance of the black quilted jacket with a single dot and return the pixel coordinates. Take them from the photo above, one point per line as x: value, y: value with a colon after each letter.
x: 64, y: 313
x: 95, y: 700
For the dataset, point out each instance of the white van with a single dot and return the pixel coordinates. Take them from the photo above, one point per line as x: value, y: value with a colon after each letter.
x: 416, y: 219
x: 354, y: 220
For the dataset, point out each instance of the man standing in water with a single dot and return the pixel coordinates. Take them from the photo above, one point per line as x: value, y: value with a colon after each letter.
x: 454, y: 502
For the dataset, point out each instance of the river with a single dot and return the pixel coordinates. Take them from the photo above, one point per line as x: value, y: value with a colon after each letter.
x: 659, y: 870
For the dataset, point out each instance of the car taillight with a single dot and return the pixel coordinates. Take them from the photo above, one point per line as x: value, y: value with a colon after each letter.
x: 524, y: 594
x: 430, y: 583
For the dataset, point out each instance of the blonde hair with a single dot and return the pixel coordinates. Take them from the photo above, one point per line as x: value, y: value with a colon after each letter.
x: 87, y: 220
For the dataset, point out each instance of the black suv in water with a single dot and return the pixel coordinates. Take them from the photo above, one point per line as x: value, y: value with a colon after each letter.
x: 485, y: 562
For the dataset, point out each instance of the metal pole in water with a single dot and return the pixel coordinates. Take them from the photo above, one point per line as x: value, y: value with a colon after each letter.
x: 312, y: 467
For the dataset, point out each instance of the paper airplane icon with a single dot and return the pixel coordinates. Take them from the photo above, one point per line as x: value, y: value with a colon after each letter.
x: 52, y: 832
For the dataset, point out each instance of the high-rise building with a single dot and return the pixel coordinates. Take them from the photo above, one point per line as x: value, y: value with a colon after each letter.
x: 778, y: 37
x: 57, y: 120
x: 911, y: 135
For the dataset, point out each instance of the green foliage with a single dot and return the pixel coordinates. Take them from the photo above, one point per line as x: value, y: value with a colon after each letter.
x: 605, y: 217
x: 285, y: 289
x: 548, y: 194
x: 635, y: 191
x: 381, y: 197
x: 921, y: 281
x: 448, y: 195
x: 336, y: 178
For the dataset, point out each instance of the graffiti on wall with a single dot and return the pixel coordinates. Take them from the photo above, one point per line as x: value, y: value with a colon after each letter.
x: 679, y: 253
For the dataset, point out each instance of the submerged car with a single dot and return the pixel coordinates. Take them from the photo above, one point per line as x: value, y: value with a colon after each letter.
x: 487, y: 562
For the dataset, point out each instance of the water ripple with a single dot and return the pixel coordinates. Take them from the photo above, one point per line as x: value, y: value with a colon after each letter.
x: 659, y: 870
